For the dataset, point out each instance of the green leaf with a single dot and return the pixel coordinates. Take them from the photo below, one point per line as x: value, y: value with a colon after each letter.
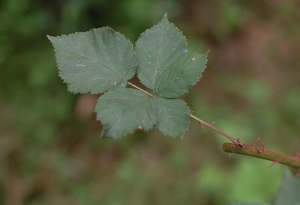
x: 163, y: 63
x: 123, y: 110
x: 178, y: 77
x: 172, y: 115
x: 289, y: 191
x: 94, y: 61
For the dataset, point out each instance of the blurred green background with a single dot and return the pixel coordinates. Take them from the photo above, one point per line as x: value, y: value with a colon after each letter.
x: 50, y: 150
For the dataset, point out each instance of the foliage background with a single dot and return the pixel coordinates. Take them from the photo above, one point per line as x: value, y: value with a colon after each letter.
x: 50, y: 151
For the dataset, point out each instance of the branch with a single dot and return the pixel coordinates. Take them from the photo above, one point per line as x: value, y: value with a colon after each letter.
x: 262, y: 153
x: 251, y: 150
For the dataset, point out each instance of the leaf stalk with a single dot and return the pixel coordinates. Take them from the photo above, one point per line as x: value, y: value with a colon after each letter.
x: 136, y: 87
x: 235, y: 141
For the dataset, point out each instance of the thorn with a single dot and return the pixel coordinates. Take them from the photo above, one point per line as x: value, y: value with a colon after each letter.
x: 239, y: 143
x: 212, y: 123
x: 254, y: 144
x: 275, y: 162
x: 263, y: 149
x: 298, y: 155
x: 200, y: 123
x: 192, y: 112
x: 230, y: 154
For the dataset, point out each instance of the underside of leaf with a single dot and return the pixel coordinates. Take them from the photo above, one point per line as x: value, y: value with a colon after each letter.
x: 94, y: 61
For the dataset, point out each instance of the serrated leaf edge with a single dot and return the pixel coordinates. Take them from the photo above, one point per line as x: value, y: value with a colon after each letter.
x: 153, y: 126
x: 165, y: 18
x: 105, y: 27
x: 188, y: 122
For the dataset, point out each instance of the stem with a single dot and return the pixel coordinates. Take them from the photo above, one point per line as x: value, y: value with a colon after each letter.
x: 136, y: 87
x: 240, y: 148
x: 251, y: 150
x: 235, y: 141
x: 263, y: 154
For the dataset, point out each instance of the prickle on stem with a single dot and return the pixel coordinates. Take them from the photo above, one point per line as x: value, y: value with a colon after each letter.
x: 263, y: 149
x: 274, y: 162
x: 254, y: 144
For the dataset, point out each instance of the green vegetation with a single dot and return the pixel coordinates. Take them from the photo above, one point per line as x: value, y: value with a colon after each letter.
x: 50, y: 149
x: 104, y: 60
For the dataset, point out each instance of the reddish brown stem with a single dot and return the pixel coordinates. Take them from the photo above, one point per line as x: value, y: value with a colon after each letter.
x: 263, y: 154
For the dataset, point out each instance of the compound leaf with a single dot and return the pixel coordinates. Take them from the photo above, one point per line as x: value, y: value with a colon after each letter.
x: 123, y: 110
x: 94, y: 61
x: 163, y: 63
x: 103, y: 60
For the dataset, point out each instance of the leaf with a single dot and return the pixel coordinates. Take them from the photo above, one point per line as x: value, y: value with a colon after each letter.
x: 94, y: 61
x: 123, y: 110
x: 289, y: 191
x: 172, y: 115
x: 163, y: 63
x: 178, y: 77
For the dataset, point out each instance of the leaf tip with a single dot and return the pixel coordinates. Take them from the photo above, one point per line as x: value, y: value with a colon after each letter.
x: 206, y: 54
x: 50, y: 38
x: 165, y: 16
